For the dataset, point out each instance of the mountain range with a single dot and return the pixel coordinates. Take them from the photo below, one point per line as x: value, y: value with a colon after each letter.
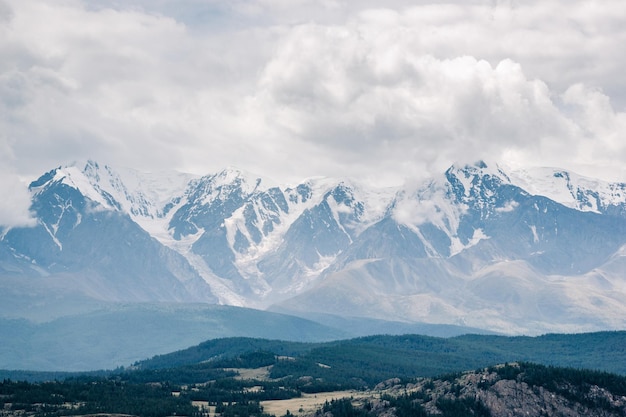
x: 511, y: 251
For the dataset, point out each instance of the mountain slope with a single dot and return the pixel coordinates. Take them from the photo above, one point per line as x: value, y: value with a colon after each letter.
x: 472, y: 248
x: 118, y: 335
x: 85, y: 241
x: 512, y: 251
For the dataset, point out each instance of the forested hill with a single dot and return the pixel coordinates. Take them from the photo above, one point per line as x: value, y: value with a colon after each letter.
x: 365, y: 361
x: 380, y: 357
x: 388, y: 376
x: 499, y: 391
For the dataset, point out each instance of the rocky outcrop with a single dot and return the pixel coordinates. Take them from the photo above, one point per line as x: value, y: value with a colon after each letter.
x: 504, y: 391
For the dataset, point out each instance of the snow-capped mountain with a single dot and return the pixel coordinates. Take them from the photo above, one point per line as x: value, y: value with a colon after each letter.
x: 514, y: 251
x: 572, y: 190
x: 473, y: 248
x: 87, y: 240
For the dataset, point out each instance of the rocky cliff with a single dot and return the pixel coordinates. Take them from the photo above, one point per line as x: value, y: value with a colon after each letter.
x: 503, y: 391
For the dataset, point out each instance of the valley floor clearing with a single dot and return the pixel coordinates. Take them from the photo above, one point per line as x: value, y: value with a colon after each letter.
x: 308, y: 403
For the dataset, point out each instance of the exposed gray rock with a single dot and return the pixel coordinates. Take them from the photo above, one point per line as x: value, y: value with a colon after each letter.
x: 509, y: 394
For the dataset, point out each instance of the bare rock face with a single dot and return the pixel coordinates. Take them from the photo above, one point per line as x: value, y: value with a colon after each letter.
x: 511, y: 398
x: 506, y: 391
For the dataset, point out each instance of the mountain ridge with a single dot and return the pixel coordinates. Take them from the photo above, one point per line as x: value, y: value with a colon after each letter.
x: 524, y: 251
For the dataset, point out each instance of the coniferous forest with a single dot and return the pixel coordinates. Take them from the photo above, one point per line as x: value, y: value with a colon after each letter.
x: 403, y: 375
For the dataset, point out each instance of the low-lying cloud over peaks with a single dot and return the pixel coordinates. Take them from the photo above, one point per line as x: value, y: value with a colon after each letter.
x: 15, y: 202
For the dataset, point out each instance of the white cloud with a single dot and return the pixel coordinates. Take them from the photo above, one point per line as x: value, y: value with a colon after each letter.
x: 406, y: 89
x: 379, y: 101
x: 292, y: 89
x: 413, y: 213
x: 428, y: 205
x: 509, y: 206
x: 15, y: 199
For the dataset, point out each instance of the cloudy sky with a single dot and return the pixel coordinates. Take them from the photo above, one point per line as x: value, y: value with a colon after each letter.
x: 296, y: 88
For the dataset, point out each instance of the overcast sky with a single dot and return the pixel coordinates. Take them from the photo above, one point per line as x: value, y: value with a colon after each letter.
x: 296, y: 88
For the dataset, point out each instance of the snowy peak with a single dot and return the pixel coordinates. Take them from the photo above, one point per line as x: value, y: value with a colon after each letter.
x: 477, y: 182
x: 356, y: 207
x: 260, y: 224
x: 209, y: 200
x: 478, y: 169
x: 226, y: 182
x: 73, y: 177
x: 573, y: 190
x: 130, y: 191
x: 447, y: 213
x: 267, y: 219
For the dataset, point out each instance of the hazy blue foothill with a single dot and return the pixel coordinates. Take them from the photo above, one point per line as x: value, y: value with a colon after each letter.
x: 120, y: 335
